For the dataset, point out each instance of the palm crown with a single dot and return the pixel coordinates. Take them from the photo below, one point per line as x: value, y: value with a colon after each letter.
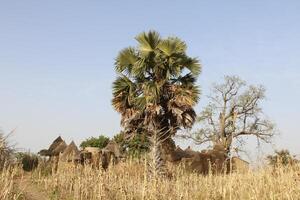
x: 156, y: 84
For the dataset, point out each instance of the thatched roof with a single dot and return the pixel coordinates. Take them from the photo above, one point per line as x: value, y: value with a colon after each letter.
x: 92, y: 149
x: 50, y: 151
x: 238, y: 159
x: 71, y: 153
x: 44, y: 152
x: 59, y: 149
x: 55, y: 144
x: 112, y: 146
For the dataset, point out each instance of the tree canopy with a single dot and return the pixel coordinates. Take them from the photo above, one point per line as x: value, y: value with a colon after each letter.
x: 99, y: 142
x: 135, y: 146
x: 156, y: 84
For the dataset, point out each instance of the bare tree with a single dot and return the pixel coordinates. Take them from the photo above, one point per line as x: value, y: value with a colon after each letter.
x: 233, y: 112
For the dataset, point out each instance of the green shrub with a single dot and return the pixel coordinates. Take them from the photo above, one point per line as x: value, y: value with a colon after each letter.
x: 135, y: 146
x: 99, y: 142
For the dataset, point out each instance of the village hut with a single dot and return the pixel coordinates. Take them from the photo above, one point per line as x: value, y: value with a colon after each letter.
x: 212, y: 160
x: 53, y: 146
x: 205, y: 162
x: 70, y: 154
x: 238, y: 165
x: 59, y: 149
x: 111, y: 154
x: 177, y: 155
x: 90, y: 155
x: 53, y: 152
x: 113, y: 147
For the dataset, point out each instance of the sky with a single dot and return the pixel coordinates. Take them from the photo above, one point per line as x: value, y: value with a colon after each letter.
x: 57, y: 60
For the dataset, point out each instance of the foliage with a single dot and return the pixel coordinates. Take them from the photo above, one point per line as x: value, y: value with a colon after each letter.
x: 155, y: 90
x: 29, y: 161
x: 234, y: 111
x: 135, y: 146
x: 282, y: 158
x: 6, y: 149
x: 99, y: 142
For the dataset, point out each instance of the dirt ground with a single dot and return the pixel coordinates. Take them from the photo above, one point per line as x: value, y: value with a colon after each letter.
x: 29, y: 190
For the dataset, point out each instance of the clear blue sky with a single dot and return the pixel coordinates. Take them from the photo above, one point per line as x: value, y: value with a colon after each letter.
x: 57, y: 59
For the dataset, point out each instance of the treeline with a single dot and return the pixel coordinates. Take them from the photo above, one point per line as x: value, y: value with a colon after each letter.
x: 134, y: 147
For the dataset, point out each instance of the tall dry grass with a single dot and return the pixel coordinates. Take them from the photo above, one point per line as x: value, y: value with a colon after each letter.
x: 130, y: 181
x: 8, y: 186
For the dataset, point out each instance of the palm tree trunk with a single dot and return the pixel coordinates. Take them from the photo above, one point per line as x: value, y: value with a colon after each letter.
x: 156, y: 163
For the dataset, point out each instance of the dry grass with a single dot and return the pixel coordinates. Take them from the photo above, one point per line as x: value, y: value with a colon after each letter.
x: 8, y: 188
x: 129, y: 181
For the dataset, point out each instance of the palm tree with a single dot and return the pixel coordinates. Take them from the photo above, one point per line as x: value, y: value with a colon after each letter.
x: 155, y: 91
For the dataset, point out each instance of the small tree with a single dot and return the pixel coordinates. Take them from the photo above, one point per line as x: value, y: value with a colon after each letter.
x: 282, y: 158
x: 234, y: 111
x: 99, y: 142
x: 135, y: 146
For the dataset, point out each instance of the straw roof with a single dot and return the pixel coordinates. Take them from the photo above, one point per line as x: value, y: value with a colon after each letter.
x: 55, y: 144
x: 71, y: 153
x: 93, y: 150
x: 112, y: 146
x: 44, y: 152
x: 49, y: 152
x: 59, y: 149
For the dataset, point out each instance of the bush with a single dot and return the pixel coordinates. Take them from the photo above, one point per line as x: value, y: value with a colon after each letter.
x: 282, y: 158
x: 135, y: 146
x: 29, y: 161
x: 6, y: 150
x: 99, y: 142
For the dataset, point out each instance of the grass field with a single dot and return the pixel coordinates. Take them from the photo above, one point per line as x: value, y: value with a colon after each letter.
x: 130, y: 181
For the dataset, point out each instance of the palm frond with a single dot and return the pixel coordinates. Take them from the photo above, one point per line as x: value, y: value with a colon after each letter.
x: 123, y: 93
x: 172, y: 45
x: 148, y: 41
x: 125, y: 60
x: 186, y: 80
x: 186, y: 95
x: 193, y: 65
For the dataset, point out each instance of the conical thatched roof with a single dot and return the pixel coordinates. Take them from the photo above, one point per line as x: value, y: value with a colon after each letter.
x: 49, y: 152
x: 59, y: 149
x: 55, y: 144
x: 112, y: 146
x: 71, y: 153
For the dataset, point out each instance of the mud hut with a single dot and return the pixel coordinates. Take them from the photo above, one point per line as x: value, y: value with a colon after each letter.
x: 53, y: 152
x: 49, y: 152
x: 70, y: 154
x: 238, y: 165
x: 59, y: 149
x: 111, y: 154
x: 90, y: 155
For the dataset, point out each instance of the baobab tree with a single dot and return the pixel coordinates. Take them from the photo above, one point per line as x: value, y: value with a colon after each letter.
x: 234, y: 111
x: 155, y: 91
